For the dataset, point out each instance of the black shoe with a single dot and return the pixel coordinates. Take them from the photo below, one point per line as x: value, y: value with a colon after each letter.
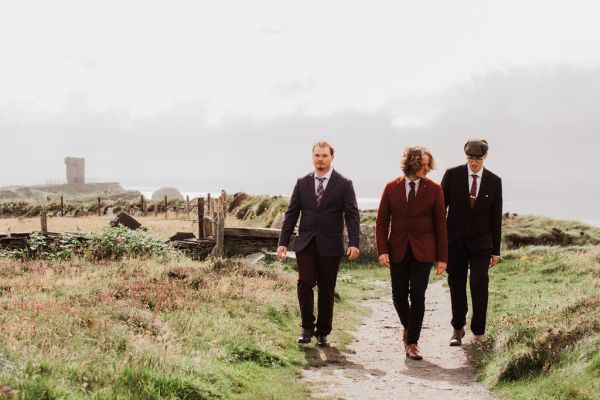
x: 305, y: 336
x: 322, y: 341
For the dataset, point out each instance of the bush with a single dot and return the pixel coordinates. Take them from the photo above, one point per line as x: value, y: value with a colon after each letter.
x: 111, y: 244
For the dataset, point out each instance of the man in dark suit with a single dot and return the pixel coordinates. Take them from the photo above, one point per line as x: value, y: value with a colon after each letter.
x: 323, y: 199
x: 411, y: 237
x: 473, y: 197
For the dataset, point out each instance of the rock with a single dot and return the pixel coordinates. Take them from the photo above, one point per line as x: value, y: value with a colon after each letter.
x: 278, y: 221
x: 254, y: 258
x: 125, y: 220
x: 171, y: 193
x: 368, y: 245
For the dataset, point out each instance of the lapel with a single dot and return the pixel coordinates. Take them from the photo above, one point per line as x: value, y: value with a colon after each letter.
x: 333, y: 180
x: 464, y: 184
x: 402, y: 190
x: 310, y: 187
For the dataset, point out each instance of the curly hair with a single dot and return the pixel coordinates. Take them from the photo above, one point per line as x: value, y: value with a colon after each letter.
x: 412, y: 159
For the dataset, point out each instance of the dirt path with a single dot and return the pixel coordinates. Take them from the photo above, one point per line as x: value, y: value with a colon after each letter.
x: 376, y: 366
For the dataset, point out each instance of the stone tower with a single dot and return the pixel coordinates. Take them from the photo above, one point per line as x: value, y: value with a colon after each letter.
x: 75, y: 170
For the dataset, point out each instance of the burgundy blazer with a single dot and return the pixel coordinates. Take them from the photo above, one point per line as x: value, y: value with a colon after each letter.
x: 423, y: 226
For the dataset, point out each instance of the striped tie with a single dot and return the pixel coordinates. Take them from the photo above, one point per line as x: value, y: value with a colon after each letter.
x: 320, y: 190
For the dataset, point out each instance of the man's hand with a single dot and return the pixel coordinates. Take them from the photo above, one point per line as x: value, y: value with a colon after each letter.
x: 352, y: 253
x: 384, y: 260
x: 281, y: 251
x: 494, y: 261
x: 440, y: 267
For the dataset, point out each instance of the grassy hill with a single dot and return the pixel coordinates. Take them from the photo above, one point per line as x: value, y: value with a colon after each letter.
x: 543, y: 339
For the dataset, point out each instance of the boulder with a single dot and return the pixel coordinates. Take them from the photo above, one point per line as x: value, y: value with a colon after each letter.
x: 125, y: 220
x: 171, y: 193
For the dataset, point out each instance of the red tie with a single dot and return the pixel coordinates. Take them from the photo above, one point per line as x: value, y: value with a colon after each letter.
x: 473, y: 194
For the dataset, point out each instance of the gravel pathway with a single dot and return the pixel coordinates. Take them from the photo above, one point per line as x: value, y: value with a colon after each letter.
x: 376, y: 367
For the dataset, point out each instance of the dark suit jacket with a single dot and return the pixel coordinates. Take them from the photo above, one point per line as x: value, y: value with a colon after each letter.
x: 325, y: 223
x: 423, y: 226
x: 479, y: 228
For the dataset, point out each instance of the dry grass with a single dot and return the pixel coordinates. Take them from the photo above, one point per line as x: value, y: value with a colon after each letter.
x: 157, y: 225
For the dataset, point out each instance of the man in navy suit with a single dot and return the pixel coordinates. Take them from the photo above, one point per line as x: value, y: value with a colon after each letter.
x: 473, y: 196
x: 324, y: 199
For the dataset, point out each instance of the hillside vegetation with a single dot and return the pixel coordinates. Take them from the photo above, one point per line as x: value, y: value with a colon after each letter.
x: 543, y: 339
x: 126, y: 318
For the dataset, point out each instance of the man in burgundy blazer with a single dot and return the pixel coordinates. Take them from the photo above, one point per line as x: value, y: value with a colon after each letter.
x: 411, y: 237
x: 322, y: 199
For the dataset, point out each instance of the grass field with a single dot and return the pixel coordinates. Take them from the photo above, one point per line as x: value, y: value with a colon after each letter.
x: 543, y: 340
x: 144, y: 330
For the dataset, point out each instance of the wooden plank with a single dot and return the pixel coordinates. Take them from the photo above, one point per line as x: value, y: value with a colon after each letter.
x: 252, y: 232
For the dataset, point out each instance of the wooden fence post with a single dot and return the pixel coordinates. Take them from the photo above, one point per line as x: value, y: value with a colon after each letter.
x: 166, y: 207
x: 187, y: 206
x: 142, y: 205
x: 219, y: 249
x: 44, y: 221
x: 62, y: 206
x: 201, y: 233
x: 99, y: 207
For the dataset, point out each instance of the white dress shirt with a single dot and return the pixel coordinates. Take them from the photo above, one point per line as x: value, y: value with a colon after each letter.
x: 479, y: 175
x: 325, y: 182
x: 407, y: 186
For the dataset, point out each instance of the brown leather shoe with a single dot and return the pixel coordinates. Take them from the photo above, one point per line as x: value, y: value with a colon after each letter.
x: 413, y: 352
x: 457, y: 335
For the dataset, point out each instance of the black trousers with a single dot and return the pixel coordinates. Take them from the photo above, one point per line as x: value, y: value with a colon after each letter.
x: 409, y: 280
x: 316, y: 270
x: 459, y: 263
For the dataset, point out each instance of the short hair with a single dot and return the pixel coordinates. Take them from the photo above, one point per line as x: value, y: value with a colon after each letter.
x: 412, y: 159
x: 323, y: 143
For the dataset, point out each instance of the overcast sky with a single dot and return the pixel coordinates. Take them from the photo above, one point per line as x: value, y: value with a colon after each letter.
x: 205, y: 95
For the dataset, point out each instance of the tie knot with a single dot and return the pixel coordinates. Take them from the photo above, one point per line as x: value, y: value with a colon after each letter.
x: 321, y: 180
x: 475, y: 176
x: 412, y: 185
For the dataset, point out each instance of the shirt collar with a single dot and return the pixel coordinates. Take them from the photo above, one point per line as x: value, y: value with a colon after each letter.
x: 327, y: 175
x: 416, y: 181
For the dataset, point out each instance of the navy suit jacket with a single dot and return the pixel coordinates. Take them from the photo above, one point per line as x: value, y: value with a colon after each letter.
x: 480, y: 228
x: 325, y: 222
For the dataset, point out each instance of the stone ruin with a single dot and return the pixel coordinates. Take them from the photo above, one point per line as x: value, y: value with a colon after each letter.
x: 75, y: 170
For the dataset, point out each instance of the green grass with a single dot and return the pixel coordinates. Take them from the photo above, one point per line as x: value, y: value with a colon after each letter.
x: 543, y: 338
x: 135, y: 329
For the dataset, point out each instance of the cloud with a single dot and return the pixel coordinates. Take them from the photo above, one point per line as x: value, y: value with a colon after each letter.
x: 541, y: 124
